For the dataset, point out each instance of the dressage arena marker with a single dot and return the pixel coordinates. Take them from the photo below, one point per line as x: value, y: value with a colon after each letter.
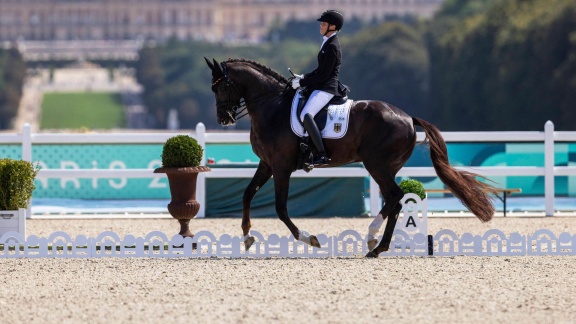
x: 410, y: 239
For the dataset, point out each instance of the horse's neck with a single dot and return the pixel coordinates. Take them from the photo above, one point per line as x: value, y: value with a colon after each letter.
x: 273, y: 111
x: 262, y: 94
x: 257, y: 88
x: 267, y: 103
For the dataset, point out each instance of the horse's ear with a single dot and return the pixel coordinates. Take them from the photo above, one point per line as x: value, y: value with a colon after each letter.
x: 210, y: 65
x: 217, y: 70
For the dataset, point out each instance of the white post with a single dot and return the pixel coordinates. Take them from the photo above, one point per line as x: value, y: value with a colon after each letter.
x: 375, y: 204
x: 549, y: 167
x: 22, y: 215
x: 27, y: 156
x: 201, y: 182
x: 26, y: 143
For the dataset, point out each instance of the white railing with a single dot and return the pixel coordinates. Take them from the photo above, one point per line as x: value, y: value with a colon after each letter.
x: 548, y: 137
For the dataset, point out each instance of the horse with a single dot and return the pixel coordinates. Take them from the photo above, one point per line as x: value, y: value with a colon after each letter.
x: 379, y: 135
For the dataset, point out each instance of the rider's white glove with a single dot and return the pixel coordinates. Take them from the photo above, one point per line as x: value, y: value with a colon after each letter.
x: 300, y: 76
x: 296, y: 83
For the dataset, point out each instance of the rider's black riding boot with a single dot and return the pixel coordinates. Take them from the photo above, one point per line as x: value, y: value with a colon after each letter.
x: 312, y: 129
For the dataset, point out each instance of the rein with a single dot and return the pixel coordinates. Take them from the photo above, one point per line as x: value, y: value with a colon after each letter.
x: 237, y: 111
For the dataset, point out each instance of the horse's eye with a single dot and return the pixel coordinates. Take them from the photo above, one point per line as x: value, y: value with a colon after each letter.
x: 222, y: 87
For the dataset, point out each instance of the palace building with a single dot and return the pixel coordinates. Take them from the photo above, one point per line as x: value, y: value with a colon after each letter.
x: 212, y: 20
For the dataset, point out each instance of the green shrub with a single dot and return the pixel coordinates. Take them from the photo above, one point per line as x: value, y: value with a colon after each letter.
x: 181, y: 151
x: 413, y: 186
x: 16, y: 183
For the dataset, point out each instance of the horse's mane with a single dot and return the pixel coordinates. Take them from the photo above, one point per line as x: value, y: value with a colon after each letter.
x: 279, y: 77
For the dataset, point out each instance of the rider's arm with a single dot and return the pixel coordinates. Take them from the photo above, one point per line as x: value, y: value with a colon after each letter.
x: 323, y: 72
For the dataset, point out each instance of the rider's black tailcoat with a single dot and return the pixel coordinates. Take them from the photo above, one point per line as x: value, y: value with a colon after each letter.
x: 325, y: 76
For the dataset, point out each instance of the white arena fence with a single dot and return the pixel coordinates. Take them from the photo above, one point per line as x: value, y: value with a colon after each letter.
x: 410, y: 239
x: 548, y: 137
x: 348, y: 244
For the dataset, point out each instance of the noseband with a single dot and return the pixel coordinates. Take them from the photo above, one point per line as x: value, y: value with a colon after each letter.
x: 237, y: 111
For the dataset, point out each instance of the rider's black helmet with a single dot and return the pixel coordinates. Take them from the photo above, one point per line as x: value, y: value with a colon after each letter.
x: 332, y: 17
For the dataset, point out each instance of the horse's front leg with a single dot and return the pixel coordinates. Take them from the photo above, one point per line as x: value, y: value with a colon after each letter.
x: 263, y: 173
x: 281, y: 186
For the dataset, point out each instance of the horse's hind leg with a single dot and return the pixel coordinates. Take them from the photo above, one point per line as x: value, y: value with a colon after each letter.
x: 376, y: 224
x: 392, y: 194
x: 390, y: 226
x: 263, y: 173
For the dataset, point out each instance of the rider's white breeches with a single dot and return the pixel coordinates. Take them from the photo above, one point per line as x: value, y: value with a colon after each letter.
x: 318, y: 99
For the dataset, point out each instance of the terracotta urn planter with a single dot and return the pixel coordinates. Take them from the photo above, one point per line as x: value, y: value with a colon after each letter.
x: 183, y: 205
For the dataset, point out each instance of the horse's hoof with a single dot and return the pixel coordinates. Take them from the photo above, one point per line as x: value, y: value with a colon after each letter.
x: 248, y: 242
x: 314, y: 241
x: 372, y: 244
x: 372, y: 254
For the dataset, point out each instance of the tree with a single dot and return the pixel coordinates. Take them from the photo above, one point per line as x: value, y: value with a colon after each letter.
x: 477, y: 65
x: 390, y: 63
x: 508, y: 66
x: 309, y: 30
x: 150, y: 74
x: 176, y: 76
x: 460, y: 9
x: 12, y: 74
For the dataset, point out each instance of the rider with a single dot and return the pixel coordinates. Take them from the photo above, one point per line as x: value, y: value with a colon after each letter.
x: 323, y: 81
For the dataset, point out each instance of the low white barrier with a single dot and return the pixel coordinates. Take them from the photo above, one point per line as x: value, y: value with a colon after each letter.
x: 548, y: 137
x: 347, y: 244
x: 410, y: 239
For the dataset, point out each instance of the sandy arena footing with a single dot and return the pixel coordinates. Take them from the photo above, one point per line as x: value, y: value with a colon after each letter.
x: 333, y: 290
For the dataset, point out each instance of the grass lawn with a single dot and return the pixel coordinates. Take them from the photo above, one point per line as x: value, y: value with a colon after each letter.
x: 73, y: 110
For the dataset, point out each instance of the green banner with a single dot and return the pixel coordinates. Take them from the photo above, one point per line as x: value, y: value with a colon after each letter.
x: 131, y: 156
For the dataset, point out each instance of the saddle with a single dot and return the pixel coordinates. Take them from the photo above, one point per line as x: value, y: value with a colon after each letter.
x: 321, y: 119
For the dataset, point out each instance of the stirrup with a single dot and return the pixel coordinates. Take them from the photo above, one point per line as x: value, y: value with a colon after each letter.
x: 321, y: 160
x: 309, y: 165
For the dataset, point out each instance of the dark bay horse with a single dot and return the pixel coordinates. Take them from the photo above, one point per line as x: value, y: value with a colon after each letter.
x: 379, y: 135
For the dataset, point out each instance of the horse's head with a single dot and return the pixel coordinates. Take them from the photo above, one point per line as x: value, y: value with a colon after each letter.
x: 228, y: 97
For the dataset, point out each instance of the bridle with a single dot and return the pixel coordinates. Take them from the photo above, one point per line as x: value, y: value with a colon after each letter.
x: 233, y: 110
x: 238, y: 110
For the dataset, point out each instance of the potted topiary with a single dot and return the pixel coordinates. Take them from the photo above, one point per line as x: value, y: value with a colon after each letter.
x: 181, y: 157
x: 413, y: 186
x: 16, y: 187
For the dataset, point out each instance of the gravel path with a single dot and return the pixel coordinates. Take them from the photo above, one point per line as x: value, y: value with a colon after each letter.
x: 333, y: 290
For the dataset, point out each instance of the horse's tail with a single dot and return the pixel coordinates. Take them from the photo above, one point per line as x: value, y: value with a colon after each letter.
x: 472, y: 193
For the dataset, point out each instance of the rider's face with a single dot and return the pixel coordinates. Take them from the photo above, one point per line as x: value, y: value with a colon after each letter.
x: 324, y: 27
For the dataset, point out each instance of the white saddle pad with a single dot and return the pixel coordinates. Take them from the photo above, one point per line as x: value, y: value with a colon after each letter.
x: 336, y: 119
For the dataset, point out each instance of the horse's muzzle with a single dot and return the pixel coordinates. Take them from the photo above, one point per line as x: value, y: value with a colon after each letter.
x: 226, y: 120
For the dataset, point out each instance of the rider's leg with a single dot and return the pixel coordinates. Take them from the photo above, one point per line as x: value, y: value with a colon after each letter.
x: 318, y: 99
x: 314, y: 133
